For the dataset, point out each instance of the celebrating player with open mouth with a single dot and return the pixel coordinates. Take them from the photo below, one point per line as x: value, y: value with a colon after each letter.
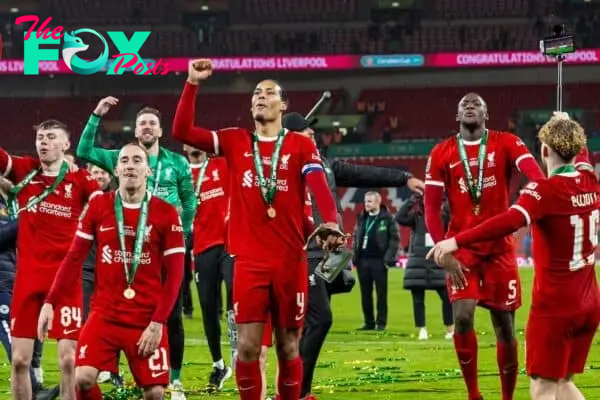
x: 139, y: 240
x: 564, y: 213
x: 48, y: 198
x: 474, y: 168
x: 269, y: 172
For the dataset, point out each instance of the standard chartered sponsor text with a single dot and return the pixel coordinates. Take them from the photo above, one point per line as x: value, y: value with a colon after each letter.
x: 270, y: 63
x: 118, y: 257
x: 55, y: 209
x: 211, y: 194
x: 585, y: 56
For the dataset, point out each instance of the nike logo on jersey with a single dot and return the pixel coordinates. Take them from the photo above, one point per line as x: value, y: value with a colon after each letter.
x: 510, y: 302
x: 246, y: 154
x: 157, y: 374
x: 299, y: 317
x: 456, y: 164
x: 69, y: 331
x: 106, y: 228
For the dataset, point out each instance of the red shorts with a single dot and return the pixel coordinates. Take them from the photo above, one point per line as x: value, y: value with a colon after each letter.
x: 557, y: 347
x: 28, y: 298
x: 101, y: 341
x: 493, y: 281
x: 272, y: 291
x: 268, y: 334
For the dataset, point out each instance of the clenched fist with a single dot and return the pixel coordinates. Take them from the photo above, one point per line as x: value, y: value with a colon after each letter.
x: 199, y: 70
x: 105, y: 105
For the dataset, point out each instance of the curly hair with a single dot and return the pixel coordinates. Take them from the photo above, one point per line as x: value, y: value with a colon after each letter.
x: 565, y: 136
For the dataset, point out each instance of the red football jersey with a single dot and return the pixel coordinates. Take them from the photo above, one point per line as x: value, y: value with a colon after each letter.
x: 46, y: 229
x: 209, y: 223
x: 445, y: 169
x: 251, y: 233
x: 164, y: 236
x: 564, y: 213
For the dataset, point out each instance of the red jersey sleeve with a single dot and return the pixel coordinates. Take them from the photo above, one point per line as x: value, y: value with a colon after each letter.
x: 174, y: 252
x: 534, y: 200
x: 214, y: 142
x: 520, y: 157
x: 15, y: 168
x: 434, y: 191
x: 69, y: 271
x: 310, y: 159
x: 435, y: 170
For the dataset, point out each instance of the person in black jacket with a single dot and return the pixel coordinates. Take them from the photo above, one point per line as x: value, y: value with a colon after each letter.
x: 421, y: 274
x: 376, y: 240
x: 318, y: 318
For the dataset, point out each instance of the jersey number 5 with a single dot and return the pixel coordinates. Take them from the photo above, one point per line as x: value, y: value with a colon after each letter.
x: 579, y: 236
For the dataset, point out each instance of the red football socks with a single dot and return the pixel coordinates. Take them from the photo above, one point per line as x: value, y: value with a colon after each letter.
x: 92, y: 394
x: 289, y: 381
x: 465, y: 345
x: 249, y: 381
x: 508, y: 365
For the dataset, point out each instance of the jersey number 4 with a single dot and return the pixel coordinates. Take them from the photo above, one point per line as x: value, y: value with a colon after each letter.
x: 578, y: 261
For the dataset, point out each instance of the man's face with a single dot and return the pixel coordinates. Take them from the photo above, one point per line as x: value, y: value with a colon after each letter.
x: 51, y: 144
x: 132, y: 167
x: 267, y: 104
x: 101, y: 176
x: 372, y: 203
x: 147, y: 129
x: 472, y: 111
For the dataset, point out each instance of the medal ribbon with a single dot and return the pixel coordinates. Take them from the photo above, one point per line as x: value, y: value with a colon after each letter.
x: 267, y: 188
x: 156, y: 176
x: 563, y: 170
x: 13, y: 203
x: 475, y: 188
x: 368, y: 227
x: 140, y: 231
x: 201, y: 175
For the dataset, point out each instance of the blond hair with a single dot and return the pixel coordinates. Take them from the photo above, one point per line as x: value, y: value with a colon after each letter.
x: 565, y: 136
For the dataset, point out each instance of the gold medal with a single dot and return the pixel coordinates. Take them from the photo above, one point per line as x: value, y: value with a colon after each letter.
x: 271, y: 212
x: 476, y: 209
x: 129, y: 293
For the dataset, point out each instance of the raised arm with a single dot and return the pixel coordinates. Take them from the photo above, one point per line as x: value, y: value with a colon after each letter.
x: 406, y: 213
x: 87, y: 149
x: 183, y: 124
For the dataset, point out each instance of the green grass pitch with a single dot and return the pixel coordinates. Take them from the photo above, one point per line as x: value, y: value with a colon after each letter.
x: 383, y: 366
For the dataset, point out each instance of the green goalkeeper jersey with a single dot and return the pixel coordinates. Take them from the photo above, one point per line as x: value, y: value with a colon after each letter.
x: 171, y: 179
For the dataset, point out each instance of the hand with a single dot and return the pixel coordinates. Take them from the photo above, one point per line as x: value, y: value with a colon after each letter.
x: 329, y: 236
x: 560, y: 115
x: 416, y: 185
x: 5, y: 185
x: 105, y: 105
x: 441, y: 249
x: 455, y: 271
x: 199, y: 70
x: 45, y: 321
x: 150, y: 339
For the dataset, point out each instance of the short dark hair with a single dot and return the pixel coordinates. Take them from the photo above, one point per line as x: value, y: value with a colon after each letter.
x: 149, y: 110
x: 52, y: 124
x: 137, y: 144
